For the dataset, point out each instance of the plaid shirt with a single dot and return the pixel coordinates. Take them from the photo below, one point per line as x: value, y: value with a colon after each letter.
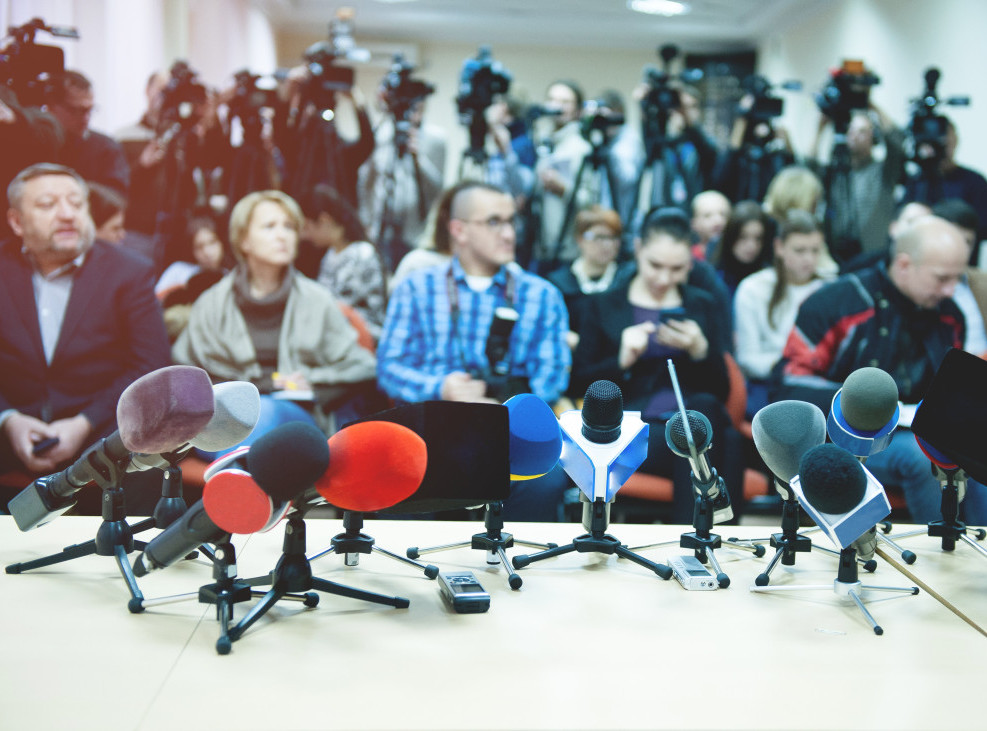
x: 420, y: 345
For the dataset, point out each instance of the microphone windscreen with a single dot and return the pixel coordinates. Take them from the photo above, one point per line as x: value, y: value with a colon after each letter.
x: 372, y: 465
x: 235, y: 502
x: 536, y: 438
x: 935, y: 456
x: 784, y: 431
x: 602, y: 412
x: 832, y: 479
x: 288, y: 459
x: 869, y: 399
x: 237, y: 408
x: 164, y: 409
x: 699, y: 426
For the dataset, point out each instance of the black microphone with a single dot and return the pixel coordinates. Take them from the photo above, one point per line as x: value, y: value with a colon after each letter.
x: 158, y: 412
x: 783, y: 432
x: 705, y: 480
x: 283, y: 463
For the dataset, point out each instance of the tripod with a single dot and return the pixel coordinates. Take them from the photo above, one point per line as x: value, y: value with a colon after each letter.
x: 115, y: 536
x: 596, y: 517
x: 353, y: 541
x: 951, y: 529
x: 493, y: 541
x: 292, y: 579
x: 846, y: 584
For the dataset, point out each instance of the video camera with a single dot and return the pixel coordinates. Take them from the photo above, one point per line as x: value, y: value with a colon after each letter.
x: 183, y: 97
x: 325, y: 75
x: 662, y: 98
x: 401, y: 93
x: 30, y: 68
x: 481, y: 80
x: 848, y: 89
x: 252, y: 93
x: 927, y: 130
x: 597, y: 120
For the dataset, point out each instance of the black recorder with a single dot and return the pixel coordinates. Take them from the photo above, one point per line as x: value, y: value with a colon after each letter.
x: 463, y: 592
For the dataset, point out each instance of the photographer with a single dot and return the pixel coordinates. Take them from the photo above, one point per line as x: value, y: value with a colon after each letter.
x: 858, y: 214
x: 404, y: 176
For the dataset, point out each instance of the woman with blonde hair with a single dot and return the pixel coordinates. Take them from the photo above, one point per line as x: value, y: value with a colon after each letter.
x: 266, y: 323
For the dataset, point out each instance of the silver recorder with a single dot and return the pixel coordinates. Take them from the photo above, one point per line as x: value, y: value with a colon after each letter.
x: 692, y: 574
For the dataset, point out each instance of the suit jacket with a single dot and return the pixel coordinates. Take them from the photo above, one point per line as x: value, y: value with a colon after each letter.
x: 112, y: 334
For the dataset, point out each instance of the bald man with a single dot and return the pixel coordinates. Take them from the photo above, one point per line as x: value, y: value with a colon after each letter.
x: 900, y: 318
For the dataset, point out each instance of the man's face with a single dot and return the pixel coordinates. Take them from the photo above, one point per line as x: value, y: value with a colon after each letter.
x: 709, y: 216
x: 564, y: 99
x: 484, y: 236
x: 74, y: 110
x: 52, y: 218
x: 931, y: 276
x: 860, y: 136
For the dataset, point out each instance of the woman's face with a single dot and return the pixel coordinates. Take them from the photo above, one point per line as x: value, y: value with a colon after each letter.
x: 113, y: 230
x: 599, y: 245
x: 272, y: 237
x: 749, y: 243
x: 207, y: 249
x: 663, y: 263
x: 324, y: 231
x: 799, y: 255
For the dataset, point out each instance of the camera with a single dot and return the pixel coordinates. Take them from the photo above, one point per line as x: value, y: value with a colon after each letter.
x: 30, y: 69
x: 597, y: 120
x: 661, y: 97
x: 848, y: 89
x: 401, y: 93
x: 183, y: 96
x: 481, y: 80
x: 927, y: 129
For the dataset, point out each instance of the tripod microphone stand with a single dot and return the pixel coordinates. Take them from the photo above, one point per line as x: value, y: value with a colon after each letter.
x: 292, y: 579
x: 353, y: 541
x: 494, y: 541
x: 846, y: 584
x: 950, y: 528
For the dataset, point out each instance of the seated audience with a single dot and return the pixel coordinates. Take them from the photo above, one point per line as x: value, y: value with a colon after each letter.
x: 265, y: 323
x: 629, y: 332
x: 744, y: 247
x: 768, y: 301
x: 351, y: 267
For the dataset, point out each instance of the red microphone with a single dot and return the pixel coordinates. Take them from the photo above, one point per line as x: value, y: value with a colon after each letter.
x: 373, y: 465
x: 236, y: 503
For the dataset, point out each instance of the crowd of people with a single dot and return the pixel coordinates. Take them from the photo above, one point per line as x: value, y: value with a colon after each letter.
x: 341, y: 271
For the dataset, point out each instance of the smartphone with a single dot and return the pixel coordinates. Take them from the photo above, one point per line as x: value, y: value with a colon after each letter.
x: 671, y: 313
x: 44, y: 445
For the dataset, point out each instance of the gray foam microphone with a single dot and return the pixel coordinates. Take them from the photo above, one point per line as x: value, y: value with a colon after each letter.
x: 783, y: 432
x: 235, y: 416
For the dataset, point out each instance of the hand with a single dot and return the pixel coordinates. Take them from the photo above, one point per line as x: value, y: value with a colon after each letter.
x: 152, y: 154
x: 685, y: 335
x: 552, y: 181
x: 73, y: 436
x: 460, y: 386
x: 413, y: 140
x: 7, y: 115
x: 23, y: 432
x: 633, y: 343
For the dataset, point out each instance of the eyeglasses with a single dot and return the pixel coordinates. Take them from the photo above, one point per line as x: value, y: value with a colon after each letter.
x: 601, y: 238
x: 495, y: 223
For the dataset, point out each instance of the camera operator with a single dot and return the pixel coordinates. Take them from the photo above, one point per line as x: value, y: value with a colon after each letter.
x: 96, y: 157
x: 404, y: 176
x: 758, y: 149
x: 858, y: 215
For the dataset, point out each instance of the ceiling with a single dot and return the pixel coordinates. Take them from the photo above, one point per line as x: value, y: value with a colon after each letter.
x: 710, y: 26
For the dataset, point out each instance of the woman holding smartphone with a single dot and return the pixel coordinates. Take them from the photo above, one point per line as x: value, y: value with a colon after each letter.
x: 629, y: 334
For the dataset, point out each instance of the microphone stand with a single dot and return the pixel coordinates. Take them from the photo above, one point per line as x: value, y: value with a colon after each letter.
x: 292, y: 579
x: 596, y: 517
x: 950, y: 529
x: 847, y: 584
x: 353, y: 541
x: 494, y: 541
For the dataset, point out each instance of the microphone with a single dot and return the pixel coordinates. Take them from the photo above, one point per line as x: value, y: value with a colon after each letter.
x: 839, y: 494
x: 602, y: 445
x: 783, y: 432
x: 705, y: 480
x: 535, y: 436
x: 158, y: 412
x: 237, y: 409
x: 372, y: 465
x: 864, y: 412
x: 281, y: 464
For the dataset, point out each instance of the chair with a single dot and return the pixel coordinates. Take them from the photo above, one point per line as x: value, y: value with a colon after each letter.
x: 652, y: 488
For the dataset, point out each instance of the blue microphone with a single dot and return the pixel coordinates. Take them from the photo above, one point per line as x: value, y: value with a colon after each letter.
x: 865, y: 412
x: 535, y: 437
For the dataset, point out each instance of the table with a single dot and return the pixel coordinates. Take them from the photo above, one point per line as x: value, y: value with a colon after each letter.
x: 589, y: 641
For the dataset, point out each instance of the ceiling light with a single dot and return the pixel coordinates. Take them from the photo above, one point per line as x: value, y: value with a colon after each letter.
x: 658, y: 7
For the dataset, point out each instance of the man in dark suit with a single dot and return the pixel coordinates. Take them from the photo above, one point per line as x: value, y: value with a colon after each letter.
x: 80, y: 323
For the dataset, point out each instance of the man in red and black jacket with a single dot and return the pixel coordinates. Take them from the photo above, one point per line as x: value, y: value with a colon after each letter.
x: 898, y: 318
